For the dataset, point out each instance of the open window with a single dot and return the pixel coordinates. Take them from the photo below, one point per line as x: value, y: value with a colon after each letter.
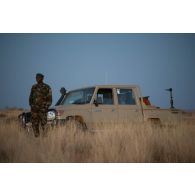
x: 105, y: 96
x: 126, y: 97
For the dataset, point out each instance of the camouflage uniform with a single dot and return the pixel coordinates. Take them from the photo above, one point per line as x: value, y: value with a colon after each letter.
x: 40, y: 99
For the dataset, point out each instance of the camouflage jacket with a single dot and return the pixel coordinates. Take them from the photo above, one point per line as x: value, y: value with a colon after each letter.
x: 40, y: 97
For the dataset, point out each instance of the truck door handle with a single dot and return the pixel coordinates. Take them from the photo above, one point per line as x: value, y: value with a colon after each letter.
x: 98, y: 110
x: 113, y: 110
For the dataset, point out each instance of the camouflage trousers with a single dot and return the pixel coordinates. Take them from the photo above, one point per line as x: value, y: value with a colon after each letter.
x: 38, y: 118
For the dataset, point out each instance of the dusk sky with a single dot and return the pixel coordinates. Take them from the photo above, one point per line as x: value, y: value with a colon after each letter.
x: 152, y: 61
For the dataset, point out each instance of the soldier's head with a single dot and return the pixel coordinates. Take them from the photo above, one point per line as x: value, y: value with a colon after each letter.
x: 39, y: 77
x: 63, y: 91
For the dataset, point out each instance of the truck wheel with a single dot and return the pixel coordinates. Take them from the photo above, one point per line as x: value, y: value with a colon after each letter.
x: 155, y: 122
x: 72, y: 122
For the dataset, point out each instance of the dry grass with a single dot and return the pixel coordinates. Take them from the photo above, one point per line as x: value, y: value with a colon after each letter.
x: 117, y: 143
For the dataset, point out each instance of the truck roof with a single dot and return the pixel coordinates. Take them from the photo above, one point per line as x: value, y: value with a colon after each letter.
x: 108, y: 86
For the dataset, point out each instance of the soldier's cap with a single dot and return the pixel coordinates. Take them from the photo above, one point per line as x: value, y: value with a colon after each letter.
x: 39, y: 75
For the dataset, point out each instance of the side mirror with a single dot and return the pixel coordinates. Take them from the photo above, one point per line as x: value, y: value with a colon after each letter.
x: 96, y: 103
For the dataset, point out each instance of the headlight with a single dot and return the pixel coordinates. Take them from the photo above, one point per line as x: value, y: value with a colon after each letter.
x: 51, y: 115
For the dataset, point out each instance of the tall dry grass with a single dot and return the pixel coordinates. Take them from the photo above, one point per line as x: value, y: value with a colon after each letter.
x: 131, y: 142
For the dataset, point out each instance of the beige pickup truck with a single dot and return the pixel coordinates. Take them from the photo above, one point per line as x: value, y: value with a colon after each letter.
x: 99, y: 104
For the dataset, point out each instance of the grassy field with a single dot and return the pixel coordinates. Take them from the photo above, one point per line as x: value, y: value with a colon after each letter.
x: 117, y: 143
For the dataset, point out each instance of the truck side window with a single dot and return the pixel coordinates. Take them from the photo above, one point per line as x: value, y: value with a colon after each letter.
x: 125, y: 97
x: 105, y: 96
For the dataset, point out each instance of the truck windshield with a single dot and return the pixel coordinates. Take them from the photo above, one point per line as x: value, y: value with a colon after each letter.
x: 82, y: 96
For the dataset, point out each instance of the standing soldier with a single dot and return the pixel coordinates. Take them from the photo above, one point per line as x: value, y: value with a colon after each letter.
x: 40, y: 99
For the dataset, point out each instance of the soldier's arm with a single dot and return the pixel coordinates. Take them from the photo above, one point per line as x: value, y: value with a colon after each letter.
x: 31, y: 97
x: 49, y: 97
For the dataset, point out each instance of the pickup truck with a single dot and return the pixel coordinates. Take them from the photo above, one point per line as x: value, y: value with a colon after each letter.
x: 100, y: 104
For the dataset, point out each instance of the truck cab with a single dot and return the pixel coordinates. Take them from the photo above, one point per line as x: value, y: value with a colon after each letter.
x: 102, y: 104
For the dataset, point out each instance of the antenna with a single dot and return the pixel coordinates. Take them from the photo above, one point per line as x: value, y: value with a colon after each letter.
x: 171, y: 97
x: 106, y: 78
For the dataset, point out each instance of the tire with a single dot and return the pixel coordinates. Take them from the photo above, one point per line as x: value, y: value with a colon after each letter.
x: 72, y: 122
x: 155, y: 122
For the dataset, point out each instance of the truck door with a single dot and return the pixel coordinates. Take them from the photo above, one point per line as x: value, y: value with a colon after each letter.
x: 104, y: 111
x: 129, y: 108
